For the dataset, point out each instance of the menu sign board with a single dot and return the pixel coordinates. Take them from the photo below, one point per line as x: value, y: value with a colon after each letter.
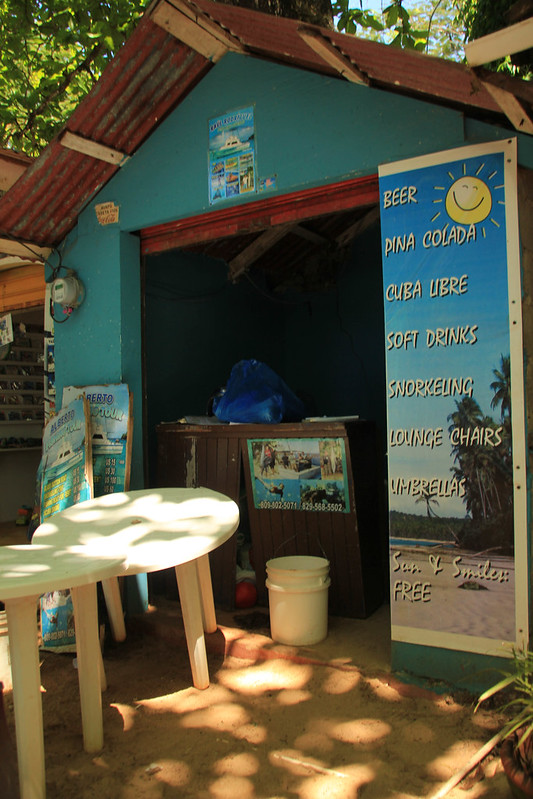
x: 456, y: 431
x: 306, y: 474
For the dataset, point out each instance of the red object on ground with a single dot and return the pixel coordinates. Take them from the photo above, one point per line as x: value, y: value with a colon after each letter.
x: 245, y: 594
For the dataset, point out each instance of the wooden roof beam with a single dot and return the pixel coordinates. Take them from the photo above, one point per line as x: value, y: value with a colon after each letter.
x: 332, y: 56
x: 499, y: 44
x: 24, y: 249
x: 255, y: 250
x: 510, y: 105
x: 309, y: 235
x: 358, y: 227
x: 93, y: 149
x: 12, y: 167
x: 195, y: 30
x: 208, y: 24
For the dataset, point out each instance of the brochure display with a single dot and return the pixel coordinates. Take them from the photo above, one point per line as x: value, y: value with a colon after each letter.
x: 232, y: 155
x: 110, y: 409
x: 66, y: 465
x: 65, y: 479
x: 6, y: 330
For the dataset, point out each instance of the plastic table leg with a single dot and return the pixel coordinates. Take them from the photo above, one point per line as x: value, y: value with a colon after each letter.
x: 22, y: 627
x: 89, y: 658
x: 206, y: 594
x: 191, y: 608
x: 115, y: 612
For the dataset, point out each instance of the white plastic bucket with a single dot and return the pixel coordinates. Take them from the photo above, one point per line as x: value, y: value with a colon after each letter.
x: 298, y: 599
x: 5, y: 659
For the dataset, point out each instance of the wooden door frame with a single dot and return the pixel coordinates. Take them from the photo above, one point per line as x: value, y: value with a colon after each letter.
x: 252, y: 216
x: 260, y: 214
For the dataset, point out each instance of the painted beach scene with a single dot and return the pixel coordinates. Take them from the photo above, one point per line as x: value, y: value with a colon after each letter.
x: 452, y: 501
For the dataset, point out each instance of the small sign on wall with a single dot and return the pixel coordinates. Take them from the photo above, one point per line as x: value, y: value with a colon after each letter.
x: 111, y: 428
x: 232, y: 155
x: 6, y: 330
x: 107, y: 213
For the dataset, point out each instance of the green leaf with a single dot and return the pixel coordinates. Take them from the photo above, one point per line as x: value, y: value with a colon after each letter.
x: 505, y: 683
x: 391, y: 15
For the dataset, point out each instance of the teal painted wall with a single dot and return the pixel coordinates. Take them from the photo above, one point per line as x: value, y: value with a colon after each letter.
x: 101, y: 341
x: 310, y: 131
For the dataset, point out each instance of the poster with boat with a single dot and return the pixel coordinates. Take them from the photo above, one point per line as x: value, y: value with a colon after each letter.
x: 6, y: 330
x: 306, y: 474
x: 455, y: 400
x: 64, y: 479
x: 66, y: 465
x: 111, y: 417
x: 232, y: 155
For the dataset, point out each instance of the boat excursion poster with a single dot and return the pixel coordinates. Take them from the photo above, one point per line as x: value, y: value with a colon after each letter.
x: 66, y: 466
x: 306, y: 474
x: 110, y: 409
x: 232, y: 155
x: 6, y: 330
x: 455, y: 399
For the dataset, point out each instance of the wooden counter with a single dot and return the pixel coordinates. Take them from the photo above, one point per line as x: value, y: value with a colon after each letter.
x: 218, y: 456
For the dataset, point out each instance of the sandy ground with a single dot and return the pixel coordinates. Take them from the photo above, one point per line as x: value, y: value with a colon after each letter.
x: 327, y: 720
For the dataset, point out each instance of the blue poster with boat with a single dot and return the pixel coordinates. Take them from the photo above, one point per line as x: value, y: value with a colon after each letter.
x: 110, y: 415
x: 65, y: 478
x: 455, y: 398
x: 232, y: 169
x: 66, y: 468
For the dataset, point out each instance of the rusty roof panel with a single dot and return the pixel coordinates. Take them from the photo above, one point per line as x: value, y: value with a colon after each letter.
x: 146, y: 80
x: 153, y: 72
x: 278, y: 38
x: 43, y: 205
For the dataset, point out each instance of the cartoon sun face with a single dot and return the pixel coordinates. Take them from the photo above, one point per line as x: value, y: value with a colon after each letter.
x: 468, y: 200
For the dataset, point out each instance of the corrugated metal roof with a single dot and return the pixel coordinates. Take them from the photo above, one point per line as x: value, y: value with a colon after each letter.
x: 154, y: 71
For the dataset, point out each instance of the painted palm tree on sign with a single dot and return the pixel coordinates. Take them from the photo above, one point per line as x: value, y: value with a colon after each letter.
x: 502, y: 387
x: 481, y: 465
x: 429, y: 499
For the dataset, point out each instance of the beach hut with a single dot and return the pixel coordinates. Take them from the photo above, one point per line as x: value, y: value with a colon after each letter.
x: 240, y: 186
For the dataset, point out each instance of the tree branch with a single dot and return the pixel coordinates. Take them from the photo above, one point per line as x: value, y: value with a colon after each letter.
x: 61, y: 88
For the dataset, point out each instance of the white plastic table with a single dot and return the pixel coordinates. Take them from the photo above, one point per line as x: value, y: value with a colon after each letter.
x: 155, y: 529
x: 26, y: 572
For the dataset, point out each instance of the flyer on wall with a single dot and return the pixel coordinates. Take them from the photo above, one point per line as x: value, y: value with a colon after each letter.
x: 232, y: 155
x: 110, y: 412
x: 66, y: 468
x: 452, y: 297
x: 6, y: 330
x: 307, y: 474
